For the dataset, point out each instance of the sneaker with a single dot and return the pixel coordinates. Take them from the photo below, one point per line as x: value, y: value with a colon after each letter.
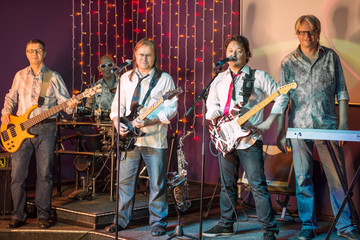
x: 158, y: 230
x: 112, y: 228
x: 268, y: 235
x: 218, y: 231
x: 306, y: 234
x: 352, y: 235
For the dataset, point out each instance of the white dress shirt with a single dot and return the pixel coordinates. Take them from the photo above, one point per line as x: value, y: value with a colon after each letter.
x: 156, y: 135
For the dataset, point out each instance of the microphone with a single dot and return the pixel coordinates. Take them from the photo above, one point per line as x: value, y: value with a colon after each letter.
x: 121, y: 66
x: 224, y: 61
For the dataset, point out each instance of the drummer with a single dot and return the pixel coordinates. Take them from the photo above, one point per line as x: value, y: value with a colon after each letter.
x: 100, y: 103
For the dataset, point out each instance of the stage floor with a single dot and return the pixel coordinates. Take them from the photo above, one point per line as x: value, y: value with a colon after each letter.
x: 86, y: 219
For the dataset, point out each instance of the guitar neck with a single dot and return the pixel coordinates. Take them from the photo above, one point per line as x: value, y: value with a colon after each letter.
x: 257, y: 108
x: 44, y: 115
x: 144, y: 114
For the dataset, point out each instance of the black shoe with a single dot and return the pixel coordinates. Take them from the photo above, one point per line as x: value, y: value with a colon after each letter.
x: 158, y: 230
x: 43, y: 223
x: 112, y: 228
x: 306, y: 234
x: 268, y: 235
x: 14, y: 223
x: 352, y: 235
x: 218, y: 231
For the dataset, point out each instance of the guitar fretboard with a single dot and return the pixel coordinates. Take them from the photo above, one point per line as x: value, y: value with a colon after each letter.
x: 144, y: 114
x: 44, y: 115
x: 257, y: 108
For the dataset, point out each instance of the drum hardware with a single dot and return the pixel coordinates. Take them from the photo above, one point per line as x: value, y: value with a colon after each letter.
x: 92, y: 162
x: 82, y: 163
x: 96, y: 154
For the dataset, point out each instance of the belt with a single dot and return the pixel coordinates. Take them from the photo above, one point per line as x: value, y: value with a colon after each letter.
x: 48, y: 120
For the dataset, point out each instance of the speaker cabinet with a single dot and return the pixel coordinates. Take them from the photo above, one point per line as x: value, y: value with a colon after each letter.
x: 6, y: 206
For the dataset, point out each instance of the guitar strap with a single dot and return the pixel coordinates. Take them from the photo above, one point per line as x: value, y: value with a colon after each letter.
x: 248, y: 85
x: 153, y: 83
x: 44, y: 87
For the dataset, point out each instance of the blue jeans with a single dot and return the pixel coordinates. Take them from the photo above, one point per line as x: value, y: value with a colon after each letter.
x: 252, y: 161
x: 302, y: 152
x: 155, y: 161
x: 44, y: 147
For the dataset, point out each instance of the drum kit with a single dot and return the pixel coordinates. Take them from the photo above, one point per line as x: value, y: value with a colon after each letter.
x: 89, y: 137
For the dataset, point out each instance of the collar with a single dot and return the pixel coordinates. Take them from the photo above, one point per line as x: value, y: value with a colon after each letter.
x: 319, y: 51
x: 245, y: 69
x: 44, y: 69
x: 151, y: 73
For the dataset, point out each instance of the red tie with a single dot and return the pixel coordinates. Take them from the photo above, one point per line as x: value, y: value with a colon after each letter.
x: 227, y: 105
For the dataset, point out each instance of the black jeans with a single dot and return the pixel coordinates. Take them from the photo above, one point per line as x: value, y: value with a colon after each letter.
x: 252, y: 161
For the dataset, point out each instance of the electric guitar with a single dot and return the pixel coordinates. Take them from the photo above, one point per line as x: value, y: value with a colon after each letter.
x: 15, y: 133
x: 227, y: 144
x: 127, y: 142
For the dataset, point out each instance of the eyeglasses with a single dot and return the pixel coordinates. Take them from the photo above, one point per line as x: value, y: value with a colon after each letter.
x: 31, y: 51
x: 109, y: 65
x: 303, y: 33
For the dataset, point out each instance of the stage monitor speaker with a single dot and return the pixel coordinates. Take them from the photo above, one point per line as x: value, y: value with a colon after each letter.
x: 6, y: 206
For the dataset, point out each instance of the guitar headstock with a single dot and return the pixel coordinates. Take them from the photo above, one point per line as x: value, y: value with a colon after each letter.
x: 92, y: 91
x: 284, y: 89
x: 170, y: 94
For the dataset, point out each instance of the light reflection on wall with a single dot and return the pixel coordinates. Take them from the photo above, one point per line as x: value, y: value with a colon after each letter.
x: 269, y: 25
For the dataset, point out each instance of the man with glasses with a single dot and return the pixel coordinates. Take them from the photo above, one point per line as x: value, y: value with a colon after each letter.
x: 25, y: 92
x: 100, y: 103
x: 144, y: 85
x: 318, y: 73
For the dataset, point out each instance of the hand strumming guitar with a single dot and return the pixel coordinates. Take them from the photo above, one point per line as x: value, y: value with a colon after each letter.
x: 123, y: 128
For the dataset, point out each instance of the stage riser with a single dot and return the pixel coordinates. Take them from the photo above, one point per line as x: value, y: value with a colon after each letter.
x: 101, y: 220
x: 51, y: 235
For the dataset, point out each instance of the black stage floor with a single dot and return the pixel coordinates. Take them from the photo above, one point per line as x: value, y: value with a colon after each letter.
x: 85, y: 220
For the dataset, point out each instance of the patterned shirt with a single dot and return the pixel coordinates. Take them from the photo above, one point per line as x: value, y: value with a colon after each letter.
x: 264, y: 86
x: 103, y: 99
x: 312, y: 103
x: 155, y: 134
x: 25, y: 91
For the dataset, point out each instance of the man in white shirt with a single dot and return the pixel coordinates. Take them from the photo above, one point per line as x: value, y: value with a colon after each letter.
x: 226, y: 91
x: 152, y: 148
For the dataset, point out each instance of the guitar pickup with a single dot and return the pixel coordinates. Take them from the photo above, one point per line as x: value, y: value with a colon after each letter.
x: 5, y: 136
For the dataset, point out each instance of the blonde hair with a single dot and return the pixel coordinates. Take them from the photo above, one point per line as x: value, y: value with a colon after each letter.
x: 311, y: 19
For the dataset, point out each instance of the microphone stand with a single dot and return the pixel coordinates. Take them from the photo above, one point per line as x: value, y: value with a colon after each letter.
x: 118, y: 156
x: 203, y: 95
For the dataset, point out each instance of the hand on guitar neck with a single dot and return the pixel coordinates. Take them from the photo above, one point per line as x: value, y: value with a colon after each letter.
x: 73, y: 102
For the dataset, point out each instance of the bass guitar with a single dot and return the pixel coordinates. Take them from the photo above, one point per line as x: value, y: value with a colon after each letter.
x: 227, y: 144
x: 15, y: 133
x: 127, y: 142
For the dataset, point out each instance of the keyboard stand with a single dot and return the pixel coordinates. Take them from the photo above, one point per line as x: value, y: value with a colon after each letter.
x: 348, y: 193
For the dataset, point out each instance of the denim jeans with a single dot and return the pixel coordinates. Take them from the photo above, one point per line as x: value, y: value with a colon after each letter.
x: 44, y: 147
x: 155, y: 161
x: 252, y: 161
x: 302, y: 152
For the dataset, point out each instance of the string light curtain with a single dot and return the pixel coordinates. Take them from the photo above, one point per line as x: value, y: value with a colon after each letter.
x: 189, y: 34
